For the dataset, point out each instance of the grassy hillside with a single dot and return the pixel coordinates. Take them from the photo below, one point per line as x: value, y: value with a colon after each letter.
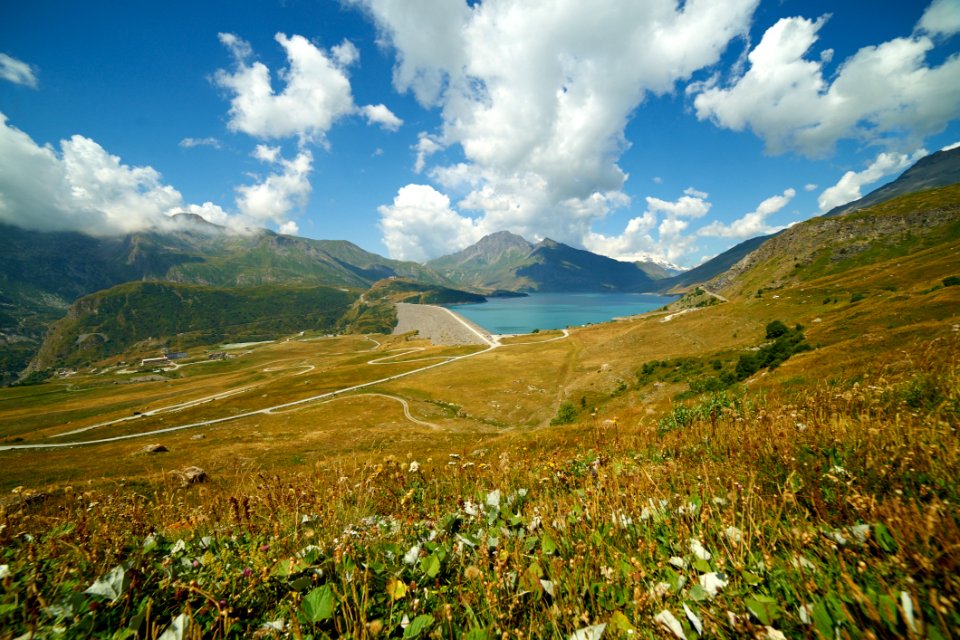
x: 176, y: 316
x: 682, y: 493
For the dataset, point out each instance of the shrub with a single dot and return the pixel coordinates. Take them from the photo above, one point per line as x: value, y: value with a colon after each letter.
x: 776, y: 329
x: 857, y: 297
x: 566, y: 414
x: 951, y: 281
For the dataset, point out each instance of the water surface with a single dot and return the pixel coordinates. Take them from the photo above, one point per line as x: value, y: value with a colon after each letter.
x: 557, y: 310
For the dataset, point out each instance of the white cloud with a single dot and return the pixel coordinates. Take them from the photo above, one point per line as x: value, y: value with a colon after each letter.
x: 84, y: 188
x: 289, y: 228
x: 657, y: 180
x: 810, y: 187
x: 882, y: 94
x: 282, y: 192
x: 345, y: 53
x: 426, y: 146
x: 316, y: 92
x: 17, y: 71
x: 671, y: 243
x: 847, y: 188
x: 190, y: 143
x: 537, y: 95
x: 80, y: 188
x: 950, y: 147
x: 750, y: 224
x: 420, y: 224
x: 381, y: 115
x: 942, y: 17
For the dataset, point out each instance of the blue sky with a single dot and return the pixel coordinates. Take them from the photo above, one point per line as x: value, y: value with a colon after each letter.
x: 415, y: 127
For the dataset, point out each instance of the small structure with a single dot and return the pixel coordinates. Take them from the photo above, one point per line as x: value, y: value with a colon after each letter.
x: 151, y: 361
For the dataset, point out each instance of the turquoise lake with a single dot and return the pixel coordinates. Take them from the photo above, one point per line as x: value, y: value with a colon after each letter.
x: 557, y: 310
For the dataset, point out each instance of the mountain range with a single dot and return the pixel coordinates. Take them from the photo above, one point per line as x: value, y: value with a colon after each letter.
x: 43, y: 273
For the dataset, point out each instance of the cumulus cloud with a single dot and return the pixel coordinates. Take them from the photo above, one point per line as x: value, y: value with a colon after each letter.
x: 942, y: 17
x: 82, y: 187
x: 316, y: 92
x: 660, y: 233
x: 275, y: 197
x: 848, y: 187
x: 751, y: 224
x: 381, y: 115
x: 17, y: 71
x: 190, y: 143
x: 426, y: 146
x: 420, y: 224
x: 882, y: 94
x: 537, y: 95
x: 810, y: 187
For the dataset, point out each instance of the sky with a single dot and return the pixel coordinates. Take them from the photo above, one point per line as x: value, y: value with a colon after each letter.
x: 639, y: 130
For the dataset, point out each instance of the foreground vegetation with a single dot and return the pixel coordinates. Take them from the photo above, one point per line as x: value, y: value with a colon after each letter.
x: 830, y: 512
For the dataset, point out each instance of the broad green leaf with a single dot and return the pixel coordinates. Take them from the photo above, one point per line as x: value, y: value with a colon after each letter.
x: 702, y: 566
x: 547, y: 545
x: 884, y: 538
x: 698, y: 593
x: 619, y: 622
x: 888, y: 610
x: 751, y: 578
x: 476, y: 634
x: 417, y: 626
x: 320, y: 604
x: 430, y: 565
x: 822, y: 619
x: 763, y: 607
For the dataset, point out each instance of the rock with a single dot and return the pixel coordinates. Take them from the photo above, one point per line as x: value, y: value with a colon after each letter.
x: 199, y: 436
x: 190, y: 475
x: 155, y: 448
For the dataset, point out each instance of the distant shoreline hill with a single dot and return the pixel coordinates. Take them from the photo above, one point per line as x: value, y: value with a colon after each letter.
x: 506, y: 261
x: 940, y: 169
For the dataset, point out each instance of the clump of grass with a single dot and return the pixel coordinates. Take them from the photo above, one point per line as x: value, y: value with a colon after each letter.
x: 827, y: 513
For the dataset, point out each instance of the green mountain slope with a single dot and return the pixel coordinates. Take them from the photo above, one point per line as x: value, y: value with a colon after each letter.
x: 177, y: 316
x: 42, y: 273
x: 832, y: 245
x: 508, y: 262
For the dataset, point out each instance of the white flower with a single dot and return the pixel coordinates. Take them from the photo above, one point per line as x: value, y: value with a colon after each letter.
x: 414, y: 467
x: 4, y: 571
x: 774, y: 634
x: 860, y: 532
x: 412, y: 554
x: 694, y: 620
x: 712, y: 582
x: 733, y: 534
x: 678, y: 562
x: 667, y: 620
x: 697, y: 548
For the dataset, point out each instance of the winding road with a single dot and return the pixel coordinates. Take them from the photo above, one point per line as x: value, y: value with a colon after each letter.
x: 492, y: 343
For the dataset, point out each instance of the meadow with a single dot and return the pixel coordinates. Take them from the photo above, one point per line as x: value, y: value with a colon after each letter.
x: 816, y: 498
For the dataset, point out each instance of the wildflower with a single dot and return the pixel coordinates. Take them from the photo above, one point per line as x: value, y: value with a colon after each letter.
x: 264, y: 548
x: 414, y: 467
x: 472, y: 572
x: 860, y: 532
x: 712, y: 582
x: 374, y: 627
x: 678, y: 562
x: 694, y: 620
x: 733, y: 534
x: 697, y: 548
x: 774, y: 634
x: 247, y: 572
x: 4, y: 571
x: 670, y: 623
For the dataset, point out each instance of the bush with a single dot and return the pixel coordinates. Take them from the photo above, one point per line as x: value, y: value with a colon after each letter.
x: 951, y: 281
x: 566, y: 414
x: 776, y: 329
x: 857, y: 297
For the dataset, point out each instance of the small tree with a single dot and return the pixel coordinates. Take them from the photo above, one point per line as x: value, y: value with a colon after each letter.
x: 776, y: 329
x: 566, y: 414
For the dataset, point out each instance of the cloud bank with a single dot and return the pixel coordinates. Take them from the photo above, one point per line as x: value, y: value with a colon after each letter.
x: 537, y: 97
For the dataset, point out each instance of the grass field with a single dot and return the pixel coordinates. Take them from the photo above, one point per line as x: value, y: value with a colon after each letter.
x: 817, y: 499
